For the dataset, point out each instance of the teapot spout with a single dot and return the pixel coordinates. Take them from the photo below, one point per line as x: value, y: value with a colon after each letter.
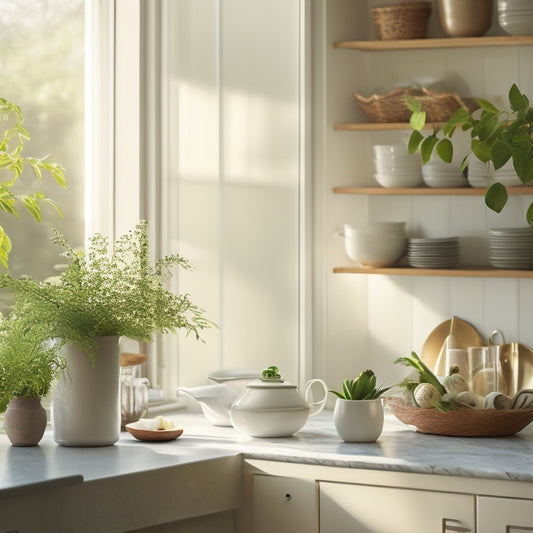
x: 215, y: 401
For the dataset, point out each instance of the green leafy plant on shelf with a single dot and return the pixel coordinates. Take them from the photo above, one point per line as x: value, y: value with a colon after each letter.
x: 497, y: 135
x: 12, y: 164
x: 29, y: 363
x: 363, y: 387
x: 108, y: 291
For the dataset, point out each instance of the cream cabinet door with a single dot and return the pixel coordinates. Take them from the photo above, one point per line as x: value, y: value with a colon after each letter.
x: 284, y: 505
x: 346, y: 508
x: 504, y: 515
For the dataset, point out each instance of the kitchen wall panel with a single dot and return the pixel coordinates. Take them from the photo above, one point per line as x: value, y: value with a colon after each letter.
x: 368, y: 321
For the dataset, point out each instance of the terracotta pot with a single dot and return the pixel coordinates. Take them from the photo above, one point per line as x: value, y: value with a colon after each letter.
x: 86, y: 399
x: 358, y: 420
x: 465, y: 18
x: 25, y: 421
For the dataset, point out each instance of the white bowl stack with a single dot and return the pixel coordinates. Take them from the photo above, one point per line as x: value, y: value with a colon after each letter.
x: 483, y: 175
x: 433, y: 253
x: 375, y: 244
x: 516, y: 16
x: 511, y: 248
x: 437, y: 173
x: 395, y: 168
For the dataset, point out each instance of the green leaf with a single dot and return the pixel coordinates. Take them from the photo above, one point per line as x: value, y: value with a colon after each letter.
x: 413, y: 104
x: 414, y: 141
x: 427, y: 146
x: 530, y: 214
x: 444, y: 150
x: 418, y: 120
x: 487, y: 106
x: 500, y: 154
x: 481, y: 150
x: 496, y: 197
x: 518, y: 101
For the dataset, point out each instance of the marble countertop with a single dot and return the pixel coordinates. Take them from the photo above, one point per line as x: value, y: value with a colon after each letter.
x: 400, y: 448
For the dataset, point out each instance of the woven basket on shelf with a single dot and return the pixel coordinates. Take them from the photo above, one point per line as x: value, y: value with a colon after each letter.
x: 402, y: 21
x: 461, y: 422
x: 391, y: 107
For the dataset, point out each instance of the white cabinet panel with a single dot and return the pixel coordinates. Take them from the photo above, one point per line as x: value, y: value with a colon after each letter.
x: 368, y: 509
x: 504, y: 515
x: 20, y: 515
x: 284, y: 505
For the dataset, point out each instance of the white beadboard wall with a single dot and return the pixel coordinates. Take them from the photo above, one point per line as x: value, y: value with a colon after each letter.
x: 368, y: 321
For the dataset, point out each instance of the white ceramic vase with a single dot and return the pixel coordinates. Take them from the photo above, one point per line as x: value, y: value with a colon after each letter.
x: 358, y: 420
x: 86, y: 398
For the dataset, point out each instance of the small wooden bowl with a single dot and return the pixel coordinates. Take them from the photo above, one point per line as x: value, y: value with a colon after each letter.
x: 461, y: 422
x: 153, y: 435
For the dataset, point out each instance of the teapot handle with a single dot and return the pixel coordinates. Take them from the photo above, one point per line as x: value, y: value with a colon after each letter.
x: 316, y: 407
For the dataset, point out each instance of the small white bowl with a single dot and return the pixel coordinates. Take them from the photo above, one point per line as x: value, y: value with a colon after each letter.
x: 395, y: 181
x: 378, y: 250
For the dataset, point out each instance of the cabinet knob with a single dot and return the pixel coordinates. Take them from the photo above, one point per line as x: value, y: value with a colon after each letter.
x: 288, y: 497
x: 449, y: 524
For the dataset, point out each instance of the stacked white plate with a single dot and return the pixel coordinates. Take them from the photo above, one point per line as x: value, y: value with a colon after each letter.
x: 511, y: 248
x: 433, y: 253
x: 483, y: 174
x: 516, y: 16
x: 395, y: 168
x: 439, y: 174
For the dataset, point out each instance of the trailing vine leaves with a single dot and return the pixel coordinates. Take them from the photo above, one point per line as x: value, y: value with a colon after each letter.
x: 12, y: 164
x: 496, y: 136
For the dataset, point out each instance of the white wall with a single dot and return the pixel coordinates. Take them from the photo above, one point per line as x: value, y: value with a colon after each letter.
x: 231, y: 179
x: 368, y: 321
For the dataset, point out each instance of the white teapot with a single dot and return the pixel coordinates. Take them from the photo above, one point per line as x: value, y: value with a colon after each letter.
x: 271, y: 407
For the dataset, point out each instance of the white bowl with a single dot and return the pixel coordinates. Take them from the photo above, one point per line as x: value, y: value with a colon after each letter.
x: 398, y: 180
x: 392, y: 150
x: 377, y: 250
x: 375, y: 227
x: 519, y: 26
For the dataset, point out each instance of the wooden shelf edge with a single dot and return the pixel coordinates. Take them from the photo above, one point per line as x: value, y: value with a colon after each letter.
x: 425, y: 191
x: 446, y: 42
x: 377, y: 126
x: 460, y: 272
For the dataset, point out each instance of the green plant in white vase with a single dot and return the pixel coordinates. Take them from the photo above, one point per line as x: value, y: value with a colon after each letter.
x: 109, y: 292
x: 497, y: 136
x: 12, y: 164
x: 29, y: 364
x: 358, y: 413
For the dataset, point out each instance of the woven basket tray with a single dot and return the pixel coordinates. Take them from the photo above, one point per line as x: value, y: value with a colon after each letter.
x: 402, y: 21
x: 462, y: 422
x: 391, y: 107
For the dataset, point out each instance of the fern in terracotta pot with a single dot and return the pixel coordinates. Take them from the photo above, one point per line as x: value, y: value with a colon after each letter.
x: 29, y: 364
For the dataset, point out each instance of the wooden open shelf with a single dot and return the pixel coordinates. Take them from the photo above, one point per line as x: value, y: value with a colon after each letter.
x: 425, y: 191
x: 460, y: 272
x: 425, y: 44
x: 376, y: 126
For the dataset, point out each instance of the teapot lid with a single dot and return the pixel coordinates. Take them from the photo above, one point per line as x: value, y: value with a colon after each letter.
x: 270, y: 379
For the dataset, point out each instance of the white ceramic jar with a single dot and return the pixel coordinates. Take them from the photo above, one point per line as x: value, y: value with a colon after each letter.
x: 358, y: 420
x: 274, y: 408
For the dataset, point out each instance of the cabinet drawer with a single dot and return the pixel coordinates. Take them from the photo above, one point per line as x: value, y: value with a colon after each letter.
x: 284, y: 505
x: 504, y: 515
x: 346, y: 508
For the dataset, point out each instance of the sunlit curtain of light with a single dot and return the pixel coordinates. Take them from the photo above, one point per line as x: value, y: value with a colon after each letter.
x: 42, y: 59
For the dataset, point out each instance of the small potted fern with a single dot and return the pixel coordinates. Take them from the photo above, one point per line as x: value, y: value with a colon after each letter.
x: 29, y: 364
x: 358, y: 413
x: 107, y: 293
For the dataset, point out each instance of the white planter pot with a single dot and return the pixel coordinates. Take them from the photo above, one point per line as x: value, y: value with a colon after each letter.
x: 86, y: 399
x: 358, y: 420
